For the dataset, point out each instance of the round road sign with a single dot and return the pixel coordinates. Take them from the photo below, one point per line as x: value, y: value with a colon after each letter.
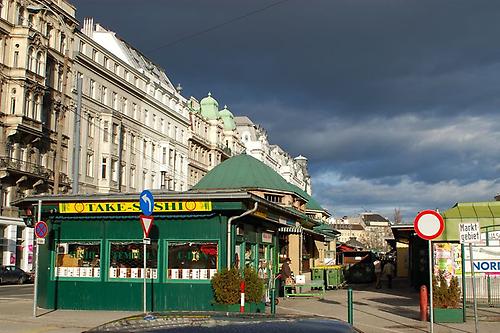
x: 429, y: 224
x: 41, y: 229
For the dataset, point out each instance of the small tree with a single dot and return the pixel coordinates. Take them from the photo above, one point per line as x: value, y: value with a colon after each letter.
x: 226, y: 285
x: 398, y: 218
x: 444, y: 295
x: 254, y: 286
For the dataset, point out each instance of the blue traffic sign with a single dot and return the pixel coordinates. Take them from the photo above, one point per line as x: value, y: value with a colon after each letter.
x: 147, y: 202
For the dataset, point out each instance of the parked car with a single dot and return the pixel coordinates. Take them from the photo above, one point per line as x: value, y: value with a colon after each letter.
x: 224, y: 322
x: 13, y: 274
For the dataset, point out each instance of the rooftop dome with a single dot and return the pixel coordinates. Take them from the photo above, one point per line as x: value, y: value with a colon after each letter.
x: 209, y: 107
x: 228, y: 118
x: 243, y: 171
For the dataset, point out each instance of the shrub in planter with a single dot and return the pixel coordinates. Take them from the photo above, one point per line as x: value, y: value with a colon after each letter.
x: 446, y: 299
x: 446, y: 296
x: 226, y: 285
x: 254, y: 286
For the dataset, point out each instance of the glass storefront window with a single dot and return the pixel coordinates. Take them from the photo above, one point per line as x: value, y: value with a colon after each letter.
x: 126, y: 260
x: 78, y: 259
x: 192, y: 260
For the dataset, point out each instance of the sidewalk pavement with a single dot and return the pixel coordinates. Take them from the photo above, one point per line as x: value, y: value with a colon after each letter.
x: 16, y: 316
x: 385, y: 310
x: 375, y: 310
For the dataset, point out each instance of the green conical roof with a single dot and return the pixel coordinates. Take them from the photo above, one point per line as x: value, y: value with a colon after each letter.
x: 228, y: 118
x: 209, y: 107
x: 312, y: 204
x: 243, y: 171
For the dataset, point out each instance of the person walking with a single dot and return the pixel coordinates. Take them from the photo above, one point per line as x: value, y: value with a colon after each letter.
x: 377, y: 268
x: 286, y: 274
x: 388, y: 272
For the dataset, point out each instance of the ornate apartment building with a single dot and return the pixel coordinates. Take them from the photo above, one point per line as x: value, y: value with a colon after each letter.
x: 213, y: 137
x: 134, y: 123
x: 82, y: 111
x: 254, y: 138
x: 35, y: 59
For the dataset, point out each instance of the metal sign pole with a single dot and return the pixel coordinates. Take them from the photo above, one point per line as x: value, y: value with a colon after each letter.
x: 144, y: 274
x: 35, y: 283
x: 473, y: 286
x: 431, y: 308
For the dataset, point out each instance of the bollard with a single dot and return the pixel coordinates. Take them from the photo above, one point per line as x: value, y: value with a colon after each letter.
x: 242, y: 299
x: 423, y: 303
x: 349, y: 306
x: 273, y: 301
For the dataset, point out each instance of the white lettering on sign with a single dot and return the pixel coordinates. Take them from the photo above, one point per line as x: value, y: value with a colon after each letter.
x: 469, y: 232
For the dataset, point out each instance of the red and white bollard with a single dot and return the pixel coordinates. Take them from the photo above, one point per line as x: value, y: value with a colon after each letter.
x: 242, y: 300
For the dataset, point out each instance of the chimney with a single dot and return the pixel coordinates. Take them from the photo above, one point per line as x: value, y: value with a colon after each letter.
x: 88, y: 26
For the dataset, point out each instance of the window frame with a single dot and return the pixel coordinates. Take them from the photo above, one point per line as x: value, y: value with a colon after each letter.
x: 166, y: 244
x: 53, y: 274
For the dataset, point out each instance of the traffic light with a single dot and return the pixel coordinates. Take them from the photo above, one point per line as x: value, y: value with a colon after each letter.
x: 28, y: 218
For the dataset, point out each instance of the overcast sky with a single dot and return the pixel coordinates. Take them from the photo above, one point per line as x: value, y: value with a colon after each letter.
x: 395, y: 103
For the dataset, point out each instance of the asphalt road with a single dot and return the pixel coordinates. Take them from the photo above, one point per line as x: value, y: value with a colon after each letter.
x: 12, y: 292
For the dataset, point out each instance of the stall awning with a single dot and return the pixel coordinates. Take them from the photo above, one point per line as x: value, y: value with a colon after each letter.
x: 291, y: 230
x: 301, y: 230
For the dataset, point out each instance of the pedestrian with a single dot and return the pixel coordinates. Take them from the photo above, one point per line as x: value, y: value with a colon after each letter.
x: 285, y: 275
x: 377, y: 268
x: 286, y: 271
x: 388, y: 272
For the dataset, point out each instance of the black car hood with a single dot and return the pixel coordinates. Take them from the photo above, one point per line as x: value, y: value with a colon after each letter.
x: 208, y: 322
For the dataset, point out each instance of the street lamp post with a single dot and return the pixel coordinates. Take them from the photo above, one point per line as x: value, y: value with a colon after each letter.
x: 60, y: 114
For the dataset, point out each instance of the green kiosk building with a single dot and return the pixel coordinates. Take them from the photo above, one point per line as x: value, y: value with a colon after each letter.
x: 93, y: 254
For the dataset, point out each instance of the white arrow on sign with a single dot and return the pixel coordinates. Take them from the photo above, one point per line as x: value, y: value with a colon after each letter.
x: 145, y: 198
x: 147, y: 223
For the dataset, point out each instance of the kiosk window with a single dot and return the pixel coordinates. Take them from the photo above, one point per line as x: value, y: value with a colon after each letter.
x: 78, y: 259
x: 192, y: 261
x: 126, y: 260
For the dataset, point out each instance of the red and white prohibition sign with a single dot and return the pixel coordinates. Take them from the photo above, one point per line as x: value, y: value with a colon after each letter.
x: 429, y: 224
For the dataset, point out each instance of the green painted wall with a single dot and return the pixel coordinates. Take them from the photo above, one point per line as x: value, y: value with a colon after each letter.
x: 126, y: 294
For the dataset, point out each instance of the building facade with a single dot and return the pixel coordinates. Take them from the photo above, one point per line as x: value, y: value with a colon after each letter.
x: 134, y: 123
x: 213, y: 137
x: 254, y: 138
x: 35, y: 59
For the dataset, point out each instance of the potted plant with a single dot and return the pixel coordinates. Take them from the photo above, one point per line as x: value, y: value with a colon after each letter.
x: 226, y: 286
x: 446, y: 300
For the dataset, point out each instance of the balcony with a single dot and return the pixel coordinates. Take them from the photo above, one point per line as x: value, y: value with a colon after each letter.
x: 15, y: 166
x: 16, y: 123
x: 200, y: 139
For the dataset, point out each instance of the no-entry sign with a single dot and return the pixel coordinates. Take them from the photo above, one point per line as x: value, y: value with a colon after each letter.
x: 429, y: 224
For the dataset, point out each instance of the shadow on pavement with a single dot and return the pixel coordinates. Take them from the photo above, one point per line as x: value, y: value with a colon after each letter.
x: 400, y: 301
x: 44, y: 312
x: 402, y: 312
x: 328, y: 301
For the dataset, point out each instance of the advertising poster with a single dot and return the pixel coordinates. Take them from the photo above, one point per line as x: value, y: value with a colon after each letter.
x: 448, y: 259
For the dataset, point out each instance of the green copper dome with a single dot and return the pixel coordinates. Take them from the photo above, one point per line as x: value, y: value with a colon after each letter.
x: 243, y: 171
x: 228, y: 118
x: 209, y: 108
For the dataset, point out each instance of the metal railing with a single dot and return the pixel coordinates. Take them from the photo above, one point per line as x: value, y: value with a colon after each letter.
x: 24, y: 167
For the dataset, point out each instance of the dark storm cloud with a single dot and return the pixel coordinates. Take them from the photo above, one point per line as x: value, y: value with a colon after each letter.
x: 394, y: 99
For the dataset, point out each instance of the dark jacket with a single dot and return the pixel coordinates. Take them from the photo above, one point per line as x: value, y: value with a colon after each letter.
x: 285, y: 271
